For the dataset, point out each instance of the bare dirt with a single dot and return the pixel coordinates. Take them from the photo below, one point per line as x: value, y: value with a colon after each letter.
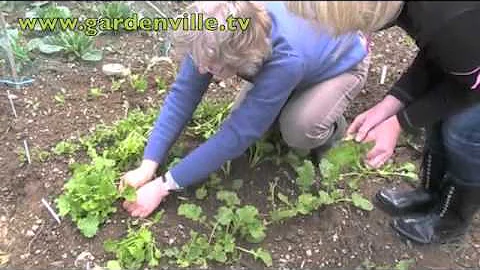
x: 340, y: 236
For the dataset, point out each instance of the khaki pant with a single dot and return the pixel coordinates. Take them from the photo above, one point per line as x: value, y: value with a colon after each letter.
x: 306, y: 121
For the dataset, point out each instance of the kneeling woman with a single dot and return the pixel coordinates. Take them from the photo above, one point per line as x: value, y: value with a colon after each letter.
x: 300, y: 77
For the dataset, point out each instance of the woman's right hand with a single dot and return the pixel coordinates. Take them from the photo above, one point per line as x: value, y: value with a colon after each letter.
x: 369, y: 119
x: 139, y: 176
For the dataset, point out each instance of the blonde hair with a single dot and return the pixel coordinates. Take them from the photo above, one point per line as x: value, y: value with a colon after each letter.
x: 340, y: 17
x: 242, y: 51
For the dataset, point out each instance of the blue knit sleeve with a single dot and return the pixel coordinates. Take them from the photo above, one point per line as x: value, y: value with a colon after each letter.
x: 261, y: 106
x: 183, y: 98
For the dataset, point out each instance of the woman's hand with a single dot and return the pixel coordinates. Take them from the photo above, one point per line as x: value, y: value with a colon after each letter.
x: 367, y: 120
x: 149, y: 198
x: 385, y: 136
x: 139, y: 176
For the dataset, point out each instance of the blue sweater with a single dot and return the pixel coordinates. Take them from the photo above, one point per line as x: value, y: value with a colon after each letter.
x: 302, y: 56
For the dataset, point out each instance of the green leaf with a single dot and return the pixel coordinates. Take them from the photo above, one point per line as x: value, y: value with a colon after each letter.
x: 361, y: 202
x: 229, y: 197
x: 327, y: 169
x: 264, y: 256
x: 278, y: 215
x: 88, y: 226
x: 283, y: 198
x: 33, y: 44
x: 201, y: 193
x: 114, y: 265
x: 307, y: 203
x: 409, y: 167
x: 257, y: 233
x: 48, y: 48
x: 92, y: 55
x: 325, y: 198
x: 63, y: 205
x: 404, y: 264
x: 306, y: 175
x: 190, y: 211
x: 158, y: 216
x: 129, y: 193
x: 224, y: 215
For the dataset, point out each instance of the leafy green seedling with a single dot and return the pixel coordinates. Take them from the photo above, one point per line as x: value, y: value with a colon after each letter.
x: 60, y: 98
x: 74, y: 44
x: 116, y: 85
x: 52, y: 11
x: 19, y: 48
x: 90, y: 193
x: 112, y: 10
x: 306, y: 176
x: 228, y: 197
x: 161, y: 85
x: 207, y: 118
x: 134, y: 250
x: 40, y: 155
x: 96, y: 92
x: 65, y: 148
x: 258, y: 151
x: 360, y: 202
x: 191, y: 211
x: 138, y: 82
x: 201, y: 192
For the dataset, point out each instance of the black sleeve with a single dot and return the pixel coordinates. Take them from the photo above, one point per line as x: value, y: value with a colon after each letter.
x: 456, y: 52
x: 414, y: 81
x: 446, y: 98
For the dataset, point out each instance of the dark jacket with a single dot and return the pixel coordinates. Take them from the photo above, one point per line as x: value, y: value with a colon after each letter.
x: 441, y: 80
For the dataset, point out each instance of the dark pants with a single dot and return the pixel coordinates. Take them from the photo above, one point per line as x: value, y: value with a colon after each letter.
x: 461, y: 139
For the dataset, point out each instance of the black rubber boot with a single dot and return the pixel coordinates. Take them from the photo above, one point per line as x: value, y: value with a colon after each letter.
x: 420, y: 200
x: 449, y: 219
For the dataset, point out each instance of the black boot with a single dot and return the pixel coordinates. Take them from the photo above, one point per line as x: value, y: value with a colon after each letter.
x: 449, y: 219
x: 401, y: 202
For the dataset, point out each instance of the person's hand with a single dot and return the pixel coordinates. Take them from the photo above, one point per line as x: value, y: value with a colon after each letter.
x: 139, y: 176
x: 149, y: 198
x: 364, y: 122
x: 385, y: 136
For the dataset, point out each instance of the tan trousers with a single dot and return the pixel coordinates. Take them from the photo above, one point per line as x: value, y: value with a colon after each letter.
x: 306, y: 121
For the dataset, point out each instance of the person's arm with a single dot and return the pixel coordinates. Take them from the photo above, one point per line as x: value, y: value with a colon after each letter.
x: 272, y: 87
x: 184, y: 96
x: 414, y: 81
x: 456, y: 52
x: 445, y: 99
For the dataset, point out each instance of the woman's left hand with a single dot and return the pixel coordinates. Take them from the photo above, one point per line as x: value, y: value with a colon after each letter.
x: 149, y: 197
x: 385, y: 135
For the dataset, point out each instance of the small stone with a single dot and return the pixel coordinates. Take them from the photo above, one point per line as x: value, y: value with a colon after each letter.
x: 300, y: 232
x: 30, y: 233
x: 115, y: 70
x: 37, y: 251
x: 65, y: 255
x: 335, y: 237
x: 287, y: 257
x: 35, y: 227
x: 3, y: 218
x: 24, y: 256
x: 309, y: 252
